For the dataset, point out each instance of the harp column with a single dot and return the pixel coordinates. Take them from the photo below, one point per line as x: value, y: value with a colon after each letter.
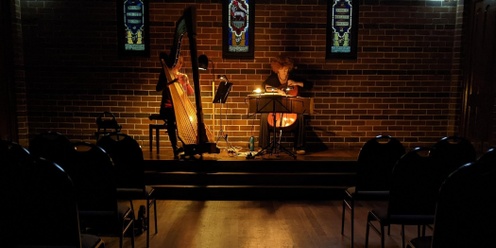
x: 203, y: 62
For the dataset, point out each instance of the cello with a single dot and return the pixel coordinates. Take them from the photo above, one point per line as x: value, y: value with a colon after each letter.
x: 284, y: 120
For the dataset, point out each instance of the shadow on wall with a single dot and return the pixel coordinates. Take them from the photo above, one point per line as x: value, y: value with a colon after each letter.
x: 313, y: 141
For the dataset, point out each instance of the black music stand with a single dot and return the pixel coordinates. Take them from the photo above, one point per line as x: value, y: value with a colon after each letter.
x: 222, y: 92
x: 221, y: 97
x: 277, y: 107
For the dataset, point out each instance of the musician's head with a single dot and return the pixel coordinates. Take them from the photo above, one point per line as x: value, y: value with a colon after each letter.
x: 281, y: 62
x: 282, y: 65
x: 179, y: 63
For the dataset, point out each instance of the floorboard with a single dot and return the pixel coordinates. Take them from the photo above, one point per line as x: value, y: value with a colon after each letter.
x: 220, y: 224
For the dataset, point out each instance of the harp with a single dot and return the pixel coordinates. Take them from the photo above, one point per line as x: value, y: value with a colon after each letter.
x: 191, y: 129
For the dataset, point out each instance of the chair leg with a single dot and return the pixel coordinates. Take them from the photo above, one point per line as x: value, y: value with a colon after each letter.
x: 379, y: 230
x: 382, y: 235
x: 132, y: 208
x: 148, y: 203
x: 158, y: 139
x: 150, y: 138
x: 148, y: 222
x: 351, y: 206
x: 343, y: 213
x: 367, y: 231
x: 352, y: 215
x: 127, y: 226
x: 132, y: 234
x: 155, y: 214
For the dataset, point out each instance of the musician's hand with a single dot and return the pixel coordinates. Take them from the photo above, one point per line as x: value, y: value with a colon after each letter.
x: 270, y: 89
x: 281, y: 92
x: 183, y: 78
x: 294, y: 83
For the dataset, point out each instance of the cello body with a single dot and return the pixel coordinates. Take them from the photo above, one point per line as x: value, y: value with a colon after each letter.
x: 284, y: 120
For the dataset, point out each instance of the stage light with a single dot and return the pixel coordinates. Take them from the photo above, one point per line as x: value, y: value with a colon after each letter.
x: 203, y: 62
x: 257, y: 91
x: 223, y: 78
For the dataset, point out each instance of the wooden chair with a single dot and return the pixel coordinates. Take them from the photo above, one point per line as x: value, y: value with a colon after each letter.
x: 128, y: 159
x: 376, y: 160
x: 412, y: 195
x: 465, y: 214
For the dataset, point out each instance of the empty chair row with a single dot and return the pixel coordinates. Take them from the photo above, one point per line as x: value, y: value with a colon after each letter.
x: 41, y: 203
x: 128, y: 158
x: 103, y: 174
x: 465, y: 214
x: 121, y: 157
x: 379, y: 157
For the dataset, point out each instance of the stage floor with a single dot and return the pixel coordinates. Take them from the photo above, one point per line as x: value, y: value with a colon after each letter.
x: 315, y: 175
x: 224, y: 155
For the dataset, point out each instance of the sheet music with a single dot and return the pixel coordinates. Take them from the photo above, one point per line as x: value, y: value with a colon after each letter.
x: 273, y: 102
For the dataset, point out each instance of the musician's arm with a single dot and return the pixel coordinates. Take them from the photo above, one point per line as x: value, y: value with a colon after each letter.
x: 161, y: 83
x: 271, y: 84
x: 184, y: 80
x: 296, y: 83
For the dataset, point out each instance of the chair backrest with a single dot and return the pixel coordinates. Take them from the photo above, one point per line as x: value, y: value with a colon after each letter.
x: 414, y: 188
x: 451, y: 152
x: 53, y: 146
x: 128, y: 159
x: 10, y: 149
x: 48, y: 213
x: 91, y: 170
x: 489, y: 156
x: 107, y: 122
x: 376, y: 160
x: 13, y: 158
x: 465, y: 214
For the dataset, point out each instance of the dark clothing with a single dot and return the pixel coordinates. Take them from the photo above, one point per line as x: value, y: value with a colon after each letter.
x: 167, y: 110
x: 298, y: 128
x: 272, y: 80
x: 166, y: 95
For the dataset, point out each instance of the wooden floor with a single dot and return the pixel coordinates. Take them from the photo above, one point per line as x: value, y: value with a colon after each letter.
x: 274, y: 224
x: 266, y: 223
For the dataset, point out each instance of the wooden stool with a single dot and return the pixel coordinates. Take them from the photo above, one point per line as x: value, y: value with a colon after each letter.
x: 157, y: 128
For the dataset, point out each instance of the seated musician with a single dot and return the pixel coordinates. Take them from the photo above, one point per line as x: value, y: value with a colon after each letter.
x: 167, y: 106
x: 283, y: 82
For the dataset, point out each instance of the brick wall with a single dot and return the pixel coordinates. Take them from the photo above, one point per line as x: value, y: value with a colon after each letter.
x: 20, y: 82
x: 405, y: 81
